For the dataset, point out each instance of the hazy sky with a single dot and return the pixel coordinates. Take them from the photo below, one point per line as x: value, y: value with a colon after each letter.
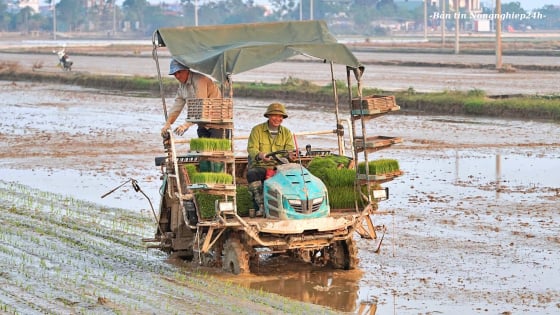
x: 525, y: 4
x: 528, y: 4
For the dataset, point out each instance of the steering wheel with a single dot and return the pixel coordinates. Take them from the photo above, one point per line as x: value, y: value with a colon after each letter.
x: 275, y: 156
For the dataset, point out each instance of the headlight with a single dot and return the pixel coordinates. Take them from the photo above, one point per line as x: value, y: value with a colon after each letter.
x: 317, y: 201
x: 294, y: 202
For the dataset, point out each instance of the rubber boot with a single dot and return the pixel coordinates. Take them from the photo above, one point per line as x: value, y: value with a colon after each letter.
x: 256, y: 191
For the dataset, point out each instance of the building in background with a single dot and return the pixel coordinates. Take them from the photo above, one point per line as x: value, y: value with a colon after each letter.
x: 464, y: 5
x: 33, y: 4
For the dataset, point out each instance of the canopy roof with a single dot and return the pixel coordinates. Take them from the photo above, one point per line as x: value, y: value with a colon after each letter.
x: 231, y: 49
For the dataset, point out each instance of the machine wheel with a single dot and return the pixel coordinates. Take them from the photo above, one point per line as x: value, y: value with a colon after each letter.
x: 344, y: 254
x: 236, y: 258
x: 213, y: 258
x: 301, y: 254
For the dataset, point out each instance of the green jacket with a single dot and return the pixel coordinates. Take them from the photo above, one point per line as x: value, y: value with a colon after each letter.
x: 260, y: 140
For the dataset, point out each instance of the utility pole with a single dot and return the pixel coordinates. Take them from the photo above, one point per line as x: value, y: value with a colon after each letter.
x: 425, y: 20
x: 301, y: 10
x: 457, y: 14
x: 114, y: 18
x: 442, y: 24
x: 195, y: 12
x: 311, y: 10
x: 54, y: 19
x: 498, y: 34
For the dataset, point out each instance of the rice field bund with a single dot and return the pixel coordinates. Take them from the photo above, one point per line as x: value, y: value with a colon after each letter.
x: 472, y: 224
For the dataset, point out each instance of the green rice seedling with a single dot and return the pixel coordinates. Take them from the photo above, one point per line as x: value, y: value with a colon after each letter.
x: 191, y: 169
x: 378, y: 167
x: 328, y: 168
x: 318, y: 165
x: 341, y: 197
x: 243, y: 200
x: 206, y: 204
x: 333, y: 171
x: 339, y: 177
x: 210, y: 144
x: 211, y: 178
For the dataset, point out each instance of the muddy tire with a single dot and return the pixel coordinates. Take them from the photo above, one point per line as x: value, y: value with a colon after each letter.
x: 236, y: 258
x: 344, y: 254
x: 213, y: 258
x: 301, y: 255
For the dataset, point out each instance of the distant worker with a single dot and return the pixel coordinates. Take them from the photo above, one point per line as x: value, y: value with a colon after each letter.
x: 265, y: 138
x: 191, y: 85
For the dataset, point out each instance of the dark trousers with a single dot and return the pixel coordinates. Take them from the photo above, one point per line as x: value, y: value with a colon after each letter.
x: 256, y: 174
x: 204, y: 132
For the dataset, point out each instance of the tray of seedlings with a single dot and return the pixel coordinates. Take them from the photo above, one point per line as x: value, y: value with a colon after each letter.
x: 374, y: 105
x: 375, y: 143
x: 211, y: 148
x: 210, y: 179
x: 381, y: 170
x: 339, y: 178
x: 210, y: 110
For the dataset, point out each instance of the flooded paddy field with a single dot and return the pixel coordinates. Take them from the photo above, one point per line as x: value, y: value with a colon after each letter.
x: 472, y: 225
x: 385, y: 77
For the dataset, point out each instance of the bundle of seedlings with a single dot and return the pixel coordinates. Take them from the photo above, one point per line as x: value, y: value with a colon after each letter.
x: 340, y: 186
x: 339, y: 180
x: 243, y: 200
x: 320, y: 164
x: 378, y: 167
x: 191, y: 169
x: 211, y: 178
x: 210, y: 144
x: 206, y: 202
x: 197, y: 177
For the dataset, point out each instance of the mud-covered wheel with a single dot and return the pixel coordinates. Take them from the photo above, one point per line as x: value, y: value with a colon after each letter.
x: 301, y: 254
x: 344, y: 254
x: 213, y: 258
x: 236, y: 258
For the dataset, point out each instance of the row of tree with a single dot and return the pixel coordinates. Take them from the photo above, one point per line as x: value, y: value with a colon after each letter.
x: 366, y: 17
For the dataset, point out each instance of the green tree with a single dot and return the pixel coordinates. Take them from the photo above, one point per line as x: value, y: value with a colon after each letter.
x: 513, y: 8
x: 23, y: 18
x: 156, y: 19
x: 547, y: 17
x: 362, y: 15
x: 136, y: 11
x: 213, y: 13
x: 5, y: 17
x: 70, y: 15
x: 243, y: 12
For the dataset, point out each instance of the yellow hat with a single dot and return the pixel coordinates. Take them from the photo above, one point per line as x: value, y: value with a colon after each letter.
x: 276, y: 109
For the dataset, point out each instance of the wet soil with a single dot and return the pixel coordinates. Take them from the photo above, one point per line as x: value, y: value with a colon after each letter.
x: 472, y: 226
x: 423, y: 72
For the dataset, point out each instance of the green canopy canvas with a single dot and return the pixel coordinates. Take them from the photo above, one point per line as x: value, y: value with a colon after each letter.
x: 223, y: 50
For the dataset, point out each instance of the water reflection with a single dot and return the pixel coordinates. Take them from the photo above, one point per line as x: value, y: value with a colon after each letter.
x: 336, y: 289
x: 498, y: 175
x: 497, y: 183
x: 503, y: 175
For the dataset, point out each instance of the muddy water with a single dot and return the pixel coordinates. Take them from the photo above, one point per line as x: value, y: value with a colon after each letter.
x: 385, y: 77
x: 471, y: 226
